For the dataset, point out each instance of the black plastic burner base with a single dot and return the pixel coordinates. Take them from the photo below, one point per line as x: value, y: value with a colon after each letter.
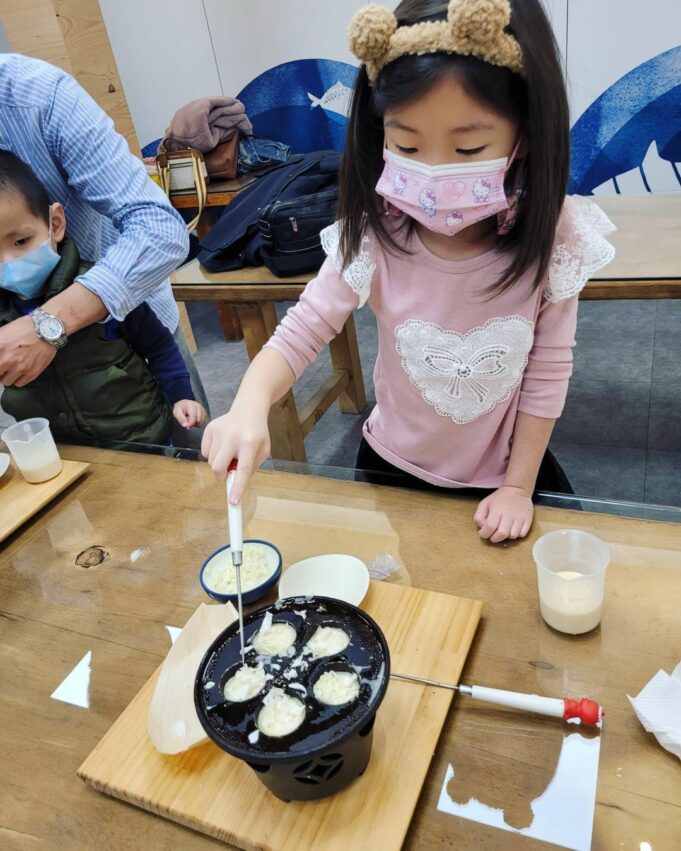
x: 324, y: 775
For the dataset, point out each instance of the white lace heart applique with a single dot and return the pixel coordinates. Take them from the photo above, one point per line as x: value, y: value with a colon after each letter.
x: 464, y: 376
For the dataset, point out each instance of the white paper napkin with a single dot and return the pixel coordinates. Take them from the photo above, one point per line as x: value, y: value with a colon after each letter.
x: 658, y: 707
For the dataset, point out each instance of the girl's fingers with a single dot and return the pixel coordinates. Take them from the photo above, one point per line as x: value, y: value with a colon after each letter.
x: 516, y: 530
x: 502, y: 531
x: 207, y: 441
x: 221, y: 455
x: 481, y: 513
x: 527, y: 525
x: 491, y: 523
x: 244, y: 470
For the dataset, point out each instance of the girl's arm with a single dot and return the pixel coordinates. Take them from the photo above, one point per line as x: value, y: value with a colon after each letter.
x: 242, y: 433
x: 581, y: 249
x: 508, y: 512
x: 530, y: 441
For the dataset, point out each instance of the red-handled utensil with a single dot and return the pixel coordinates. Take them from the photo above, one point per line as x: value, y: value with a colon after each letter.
x: 587, y: 711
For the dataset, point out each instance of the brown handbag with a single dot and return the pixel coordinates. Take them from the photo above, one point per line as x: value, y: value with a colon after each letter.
x: 183, y: 171
x: 222, y: 161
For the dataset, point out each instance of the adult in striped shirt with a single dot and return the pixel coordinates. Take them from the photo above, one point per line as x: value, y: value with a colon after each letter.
x: 120, y: 220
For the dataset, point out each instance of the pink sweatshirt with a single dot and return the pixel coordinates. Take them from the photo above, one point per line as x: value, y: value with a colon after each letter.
x: 453, y: 368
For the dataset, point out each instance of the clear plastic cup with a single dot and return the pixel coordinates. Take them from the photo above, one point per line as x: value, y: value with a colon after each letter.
x: 571, y: 568
x: 33, y: 449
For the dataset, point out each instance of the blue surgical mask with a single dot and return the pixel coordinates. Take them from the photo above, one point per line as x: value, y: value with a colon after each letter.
x: 26, y: 275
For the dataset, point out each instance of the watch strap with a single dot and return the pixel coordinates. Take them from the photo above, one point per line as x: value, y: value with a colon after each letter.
x: 38, y: 315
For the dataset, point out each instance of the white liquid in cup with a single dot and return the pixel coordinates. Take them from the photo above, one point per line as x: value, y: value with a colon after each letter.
x: 33, y: 449
x: 571, y: 568
x: 41, y: 471
x: 572, y: 613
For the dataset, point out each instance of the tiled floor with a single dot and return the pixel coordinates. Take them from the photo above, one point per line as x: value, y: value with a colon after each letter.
x: 620, y: 433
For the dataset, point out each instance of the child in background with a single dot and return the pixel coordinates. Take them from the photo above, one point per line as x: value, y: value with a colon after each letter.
x: 454, y: 228
x: 122, y: 381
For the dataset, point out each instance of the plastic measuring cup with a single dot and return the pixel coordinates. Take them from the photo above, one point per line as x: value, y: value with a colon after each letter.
x: 571, y: 568
x: 33, y: 449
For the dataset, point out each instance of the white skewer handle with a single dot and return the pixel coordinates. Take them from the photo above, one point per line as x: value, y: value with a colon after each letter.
x: 235, y: 516
x: 530, y: 702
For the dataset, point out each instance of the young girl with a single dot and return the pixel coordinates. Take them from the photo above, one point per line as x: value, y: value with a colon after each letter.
x: 455, y: 230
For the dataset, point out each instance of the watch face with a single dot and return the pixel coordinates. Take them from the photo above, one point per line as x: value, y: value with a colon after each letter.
x: 51, y: 328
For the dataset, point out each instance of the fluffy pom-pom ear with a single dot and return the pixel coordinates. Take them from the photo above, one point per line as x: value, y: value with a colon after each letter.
x: 478, y: 21
x: 370, y: 31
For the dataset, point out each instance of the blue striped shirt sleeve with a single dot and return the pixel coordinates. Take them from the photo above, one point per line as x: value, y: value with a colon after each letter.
x: 99, y: 166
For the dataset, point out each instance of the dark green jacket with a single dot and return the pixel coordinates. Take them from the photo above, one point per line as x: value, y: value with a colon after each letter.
x: 95, y: 387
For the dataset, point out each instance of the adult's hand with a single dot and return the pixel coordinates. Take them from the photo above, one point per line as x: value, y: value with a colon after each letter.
x: 23, y: 355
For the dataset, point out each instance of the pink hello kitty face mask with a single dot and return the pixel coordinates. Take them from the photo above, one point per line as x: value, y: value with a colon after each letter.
x: 446, y: 198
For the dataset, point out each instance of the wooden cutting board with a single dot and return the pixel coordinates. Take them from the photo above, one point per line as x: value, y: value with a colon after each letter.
x: 429, y: 635
x: 19, y: 500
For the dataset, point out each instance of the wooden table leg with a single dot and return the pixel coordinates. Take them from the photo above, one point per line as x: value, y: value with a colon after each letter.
x: 230, y: 321
x: 258, y: 322
x: 186, y: 327
x: 345, y: 356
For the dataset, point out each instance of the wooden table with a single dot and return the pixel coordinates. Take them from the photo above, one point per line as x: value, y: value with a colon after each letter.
x: 648, y: 243
x: 155, y: 519
x: 219, y: 193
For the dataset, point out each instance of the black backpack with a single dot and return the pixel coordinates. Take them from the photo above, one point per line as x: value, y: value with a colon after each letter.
x: 277, y: 219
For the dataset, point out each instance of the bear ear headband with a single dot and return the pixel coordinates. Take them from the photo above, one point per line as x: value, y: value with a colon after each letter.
x: 472, y: 28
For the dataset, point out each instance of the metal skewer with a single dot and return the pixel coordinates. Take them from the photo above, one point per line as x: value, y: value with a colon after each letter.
x: 424, y: 681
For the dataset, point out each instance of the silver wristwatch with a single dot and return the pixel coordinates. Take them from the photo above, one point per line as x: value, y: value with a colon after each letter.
x: 49, y: 328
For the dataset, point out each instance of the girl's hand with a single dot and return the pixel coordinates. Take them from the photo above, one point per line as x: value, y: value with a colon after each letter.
x: 189, y: 414
x: 241, y: 436
x: 506, y: 513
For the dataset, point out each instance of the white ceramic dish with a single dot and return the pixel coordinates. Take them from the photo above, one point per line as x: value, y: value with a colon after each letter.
x: 339, y: 576
x: 4, y: 463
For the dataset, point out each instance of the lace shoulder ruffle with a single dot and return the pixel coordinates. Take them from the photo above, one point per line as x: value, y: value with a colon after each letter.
x: 580, y: 248
x: 359, y: 273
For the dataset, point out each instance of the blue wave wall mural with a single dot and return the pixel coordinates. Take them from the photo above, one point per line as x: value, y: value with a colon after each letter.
x: 303, y: 103
x: 615, y: 134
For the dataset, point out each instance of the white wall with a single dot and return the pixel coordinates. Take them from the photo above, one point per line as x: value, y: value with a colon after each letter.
x: 164, y: 55
x: 271, y: 33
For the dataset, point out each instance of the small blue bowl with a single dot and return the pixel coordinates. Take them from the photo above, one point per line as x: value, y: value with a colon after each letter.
x: 247, y: 596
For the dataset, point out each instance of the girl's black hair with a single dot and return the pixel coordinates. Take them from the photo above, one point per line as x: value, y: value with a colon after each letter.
x: 536, y: 101
x: 17, y: 177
